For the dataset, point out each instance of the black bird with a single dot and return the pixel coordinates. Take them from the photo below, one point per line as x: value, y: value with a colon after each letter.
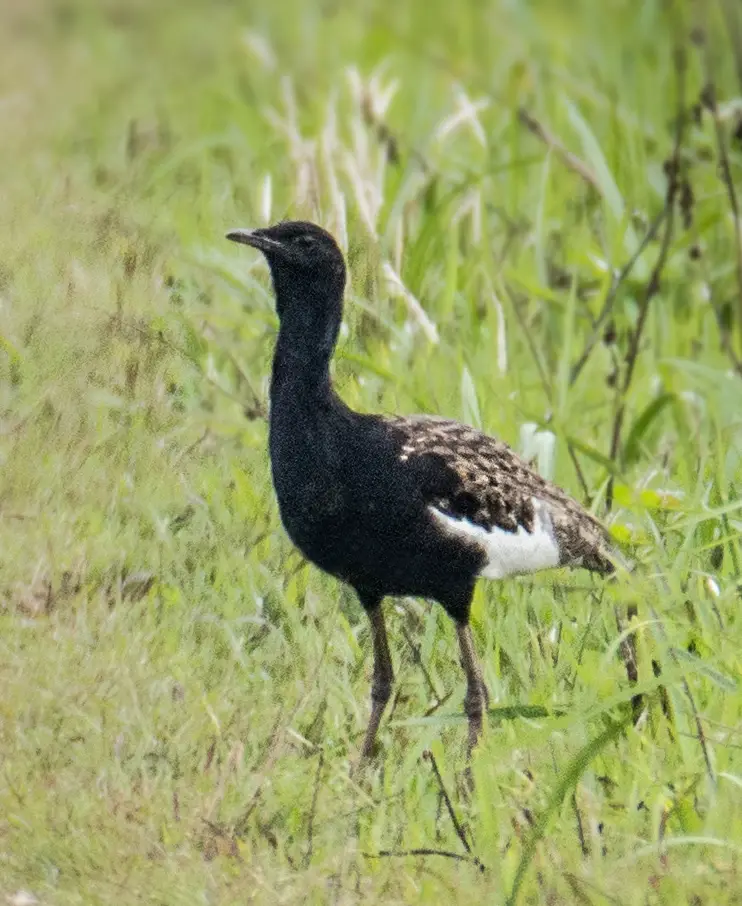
x: 397, y: 505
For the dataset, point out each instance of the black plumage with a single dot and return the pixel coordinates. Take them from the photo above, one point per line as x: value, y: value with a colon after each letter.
x: 396, y: 505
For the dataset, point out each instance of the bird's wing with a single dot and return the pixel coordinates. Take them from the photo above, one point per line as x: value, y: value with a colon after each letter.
x: 473, y: 482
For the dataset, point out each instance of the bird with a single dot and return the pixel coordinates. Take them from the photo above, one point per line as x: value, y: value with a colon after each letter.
x: 397, y: 505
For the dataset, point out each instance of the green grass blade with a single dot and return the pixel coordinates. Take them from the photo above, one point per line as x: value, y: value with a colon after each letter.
x: 567, y: 781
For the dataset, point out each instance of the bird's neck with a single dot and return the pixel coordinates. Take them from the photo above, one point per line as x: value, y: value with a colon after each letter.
x: 301, y: 370
x: 306, y: 342
x: 310, y: 314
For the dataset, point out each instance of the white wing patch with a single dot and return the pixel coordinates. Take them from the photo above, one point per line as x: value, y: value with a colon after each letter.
x: 509, y: 553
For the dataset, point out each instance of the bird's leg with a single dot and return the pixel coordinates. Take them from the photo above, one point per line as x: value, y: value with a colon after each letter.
x: 477, y: 695
x: 381, y: 687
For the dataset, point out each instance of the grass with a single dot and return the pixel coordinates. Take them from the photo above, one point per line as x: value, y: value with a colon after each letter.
x: 181, y: 695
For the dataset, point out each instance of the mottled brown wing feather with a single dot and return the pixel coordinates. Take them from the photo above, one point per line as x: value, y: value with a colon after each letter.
x: 470, y: 475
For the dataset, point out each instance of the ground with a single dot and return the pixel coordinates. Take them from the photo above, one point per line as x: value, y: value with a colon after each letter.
x: 538, y: 203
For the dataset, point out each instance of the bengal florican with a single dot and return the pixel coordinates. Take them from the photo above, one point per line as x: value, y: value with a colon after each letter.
x: 397, y: 505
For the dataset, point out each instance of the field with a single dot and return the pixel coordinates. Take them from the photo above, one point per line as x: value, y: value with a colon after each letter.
x: 539, y: 202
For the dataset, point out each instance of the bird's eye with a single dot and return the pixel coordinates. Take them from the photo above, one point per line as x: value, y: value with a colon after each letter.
x: 304, y: 241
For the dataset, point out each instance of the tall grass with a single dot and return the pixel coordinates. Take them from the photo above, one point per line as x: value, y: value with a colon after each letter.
x: 181, y: 695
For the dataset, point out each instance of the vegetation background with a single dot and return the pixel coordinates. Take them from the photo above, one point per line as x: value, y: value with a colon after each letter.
x: 539, y: 201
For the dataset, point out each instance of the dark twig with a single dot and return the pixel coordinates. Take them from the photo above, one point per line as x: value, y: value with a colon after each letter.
x: 597, y: 600
x: 629, y: 658
x: 313, y: 810
x: 254, y: 410
x: 569, y: 159
x: 576, y: 883
x: 417, y: 657
x: 549, y: 395
x: 708, y: 98
x: 457, y: 825
x: 628, y: 645
x: 722, y: 322
x: 266, y: 762
x: 733, y: 22
x: 437, y: 704
x: 688, y: 693
x: 578, y: 471
x: 403, y: 853
x: 580, y: 830
x: 532, y: 347
x: 276, y: 742
x: 632, y: 354
x: 223, y: 833
x: 389, y: 140
x: 725, y: 339
x: 610, y: 298
x: 653, y: 286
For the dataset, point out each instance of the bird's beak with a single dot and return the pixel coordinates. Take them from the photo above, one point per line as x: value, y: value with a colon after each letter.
x: 257, y: 239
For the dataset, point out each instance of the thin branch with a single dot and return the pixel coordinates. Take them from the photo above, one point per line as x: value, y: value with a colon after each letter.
x: 404, y: 853
x: 313, y: 810
x: 437, y: 705
x: 627, y: 650
x: 276, y: 742
x: 708, y: 98
x: 547, y: 391
x: 255, y: 410
x: 734, y: 30
x: 628, y: 645
x: 457, y: 826
x: 653, y: 285
x: 576, y: 881
x: 578, y: 821
x: 569, y: 159
x: 532, y: 347
x: 578, y: 471
x: 417, y: 657
x: 388, y: 139
x: 725, y: 335
x: 686, y: 688
x: 610, y: 298
x: 725, y: 338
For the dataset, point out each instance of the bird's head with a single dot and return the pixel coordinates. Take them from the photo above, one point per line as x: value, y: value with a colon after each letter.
x: 306, y: 264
